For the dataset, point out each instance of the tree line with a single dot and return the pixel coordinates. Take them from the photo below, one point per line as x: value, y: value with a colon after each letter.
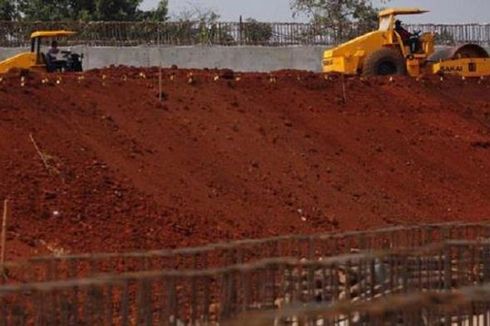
x: 84, y: 10
x: 337, y: 15
x: 332, y: 12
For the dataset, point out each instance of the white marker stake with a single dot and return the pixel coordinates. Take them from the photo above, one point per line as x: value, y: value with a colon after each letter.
x: 3, y: 237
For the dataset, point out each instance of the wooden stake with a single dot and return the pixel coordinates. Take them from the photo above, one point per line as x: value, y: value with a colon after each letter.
x: 160, y: 96
x: 38, y: 151
x: 43, y: 157
x: 344, y: 92
x: 3, y: 237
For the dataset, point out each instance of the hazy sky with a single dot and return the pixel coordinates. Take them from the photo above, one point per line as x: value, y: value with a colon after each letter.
x: 442, y: 11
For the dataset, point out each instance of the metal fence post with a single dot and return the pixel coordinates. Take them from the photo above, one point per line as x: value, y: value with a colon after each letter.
x: 486, y: 263
x: 240, y: 31
x: 226, y: 296
x: 3, y: 311
x: 108, y: 305
x: 207, y: 301
x: 125, y: 304
x: 172, y: 303
x: 143, y: 303
x: 448, y: 277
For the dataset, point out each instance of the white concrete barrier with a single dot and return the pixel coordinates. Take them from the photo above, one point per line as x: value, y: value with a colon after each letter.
x: 244, y: 58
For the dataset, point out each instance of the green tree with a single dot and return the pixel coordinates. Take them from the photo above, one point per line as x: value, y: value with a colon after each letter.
x: 45, y: 10
x: 8, y: 10
x: 159, y: 14
x: 255, y: 32
x: 343, y: 17
x: 82, y: 10
x: 116, y: 10
x: 97, y: 10
x: 201, y: 25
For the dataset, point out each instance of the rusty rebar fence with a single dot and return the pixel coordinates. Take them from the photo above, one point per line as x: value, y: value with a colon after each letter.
x: 467, y: 306
x: 281, y: 291
x: 16, y: 34
x: 220, y: 255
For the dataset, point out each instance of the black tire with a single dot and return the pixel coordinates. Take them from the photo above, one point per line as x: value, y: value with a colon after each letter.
x: 77, y: 67
x: 384, y: 62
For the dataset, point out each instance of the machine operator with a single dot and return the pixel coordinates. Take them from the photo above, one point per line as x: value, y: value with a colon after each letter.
x: 53, y: 58
x: 407, y: 38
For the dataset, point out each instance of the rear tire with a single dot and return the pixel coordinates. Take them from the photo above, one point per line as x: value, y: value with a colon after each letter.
x: 384, y: 62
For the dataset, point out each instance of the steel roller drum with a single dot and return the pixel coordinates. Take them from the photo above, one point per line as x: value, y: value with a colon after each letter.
x: 458, y: 52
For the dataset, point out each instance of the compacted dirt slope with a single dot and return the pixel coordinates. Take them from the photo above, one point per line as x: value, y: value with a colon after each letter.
x: 236, y: 156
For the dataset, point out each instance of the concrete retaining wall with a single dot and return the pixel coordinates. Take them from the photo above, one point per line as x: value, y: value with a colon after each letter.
x: 245, y: 58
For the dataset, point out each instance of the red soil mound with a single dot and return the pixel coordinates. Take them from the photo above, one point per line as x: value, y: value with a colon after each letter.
x: 251, y: 155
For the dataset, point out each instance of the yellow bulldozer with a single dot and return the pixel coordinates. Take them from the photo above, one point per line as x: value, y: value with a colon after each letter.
x: 36, y: 59
x: 384, y: 52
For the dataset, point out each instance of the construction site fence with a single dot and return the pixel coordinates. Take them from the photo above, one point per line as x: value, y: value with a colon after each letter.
x: 16, y: 34
x: 329, y: 291
x: 221, y: 255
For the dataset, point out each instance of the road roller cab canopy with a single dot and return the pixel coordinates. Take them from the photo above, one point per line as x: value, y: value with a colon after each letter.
x: 387, y: 16
x: 402, y: 11
x: 59, y: 33
x: 38, y: 36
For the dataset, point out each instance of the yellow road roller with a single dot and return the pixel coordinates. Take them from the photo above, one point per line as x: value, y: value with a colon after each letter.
x: 36, y: 59
x: 387, y: 51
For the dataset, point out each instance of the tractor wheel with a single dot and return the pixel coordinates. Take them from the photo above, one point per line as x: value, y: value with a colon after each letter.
x: 384, y: 62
